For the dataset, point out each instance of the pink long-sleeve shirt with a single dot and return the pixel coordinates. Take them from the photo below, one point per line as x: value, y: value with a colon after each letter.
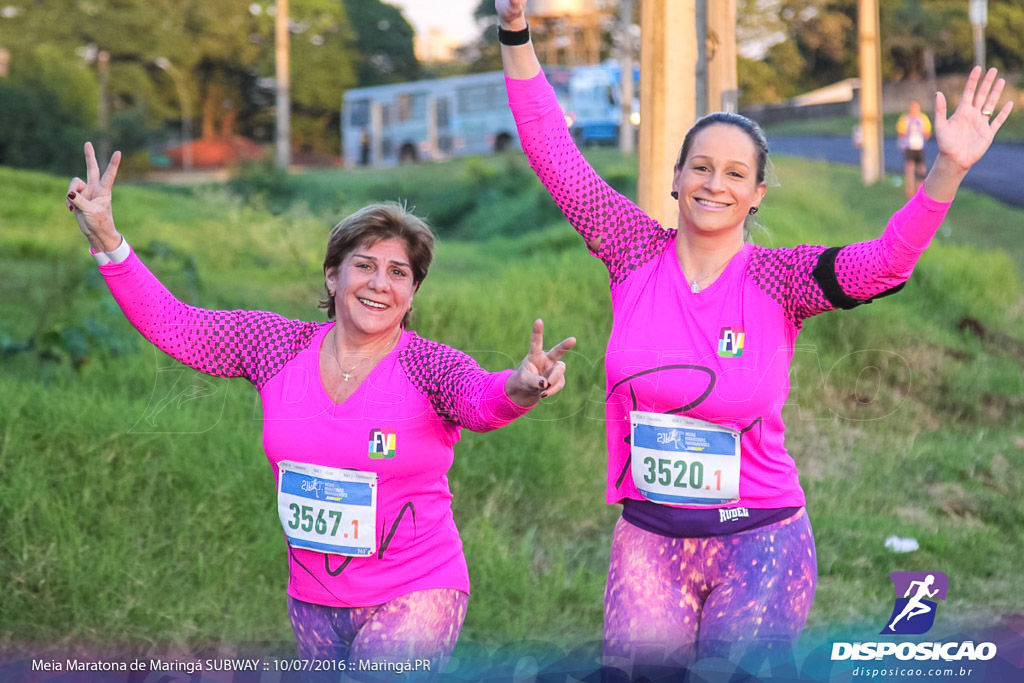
x: 673, y: 351
x: 422, y: 392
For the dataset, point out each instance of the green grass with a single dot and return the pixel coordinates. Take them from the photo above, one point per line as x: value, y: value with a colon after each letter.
x: 130, y: 522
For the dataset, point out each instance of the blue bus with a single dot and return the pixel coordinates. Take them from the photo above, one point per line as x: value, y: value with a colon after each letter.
x: 440, y: 118
x: 595, y: 103
x: 385, y: 125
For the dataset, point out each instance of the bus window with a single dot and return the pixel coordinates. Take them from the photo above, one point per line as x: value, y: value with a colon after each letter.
x: 403, y: 104
x: 482, y: 98
x: 443, y: 115
x: 411, y: 106
x: 419, y: 106
x: 359, y: 115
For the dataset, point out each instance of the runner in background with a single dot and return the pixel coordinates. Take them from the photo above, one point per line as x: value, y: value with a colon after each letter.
x: 912, y: 130
x: 713, y: 555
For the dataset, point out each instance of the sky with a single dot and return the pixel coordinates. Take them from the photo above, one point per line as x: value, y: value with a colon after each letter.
x: 455, y: 17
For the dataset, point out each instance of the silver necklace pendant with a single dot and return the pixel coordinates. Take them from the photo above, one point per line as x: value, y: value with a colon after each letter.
x: 345, y: 376
x: 694, y: 287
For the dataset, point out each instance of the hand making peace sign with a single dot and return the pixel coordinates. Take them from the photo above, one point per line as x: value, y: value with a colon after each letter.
x: 90, y: 200
x: 542, y: 373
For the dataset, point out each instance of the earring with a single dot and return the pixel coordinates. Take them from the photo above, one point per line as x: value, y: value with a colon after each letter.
x: 675, y: 195
x: 753, y: 210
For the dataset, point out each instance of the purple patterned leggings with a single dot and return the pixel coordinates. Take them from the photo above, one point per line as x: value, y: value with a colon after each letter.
x: 740, y: 597
x: 418, y: 626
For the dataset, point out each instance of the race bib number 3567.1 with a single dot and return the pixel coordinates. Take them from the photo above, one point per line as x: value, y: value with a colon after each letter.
x: 328, y: 510
x: 681, y: 460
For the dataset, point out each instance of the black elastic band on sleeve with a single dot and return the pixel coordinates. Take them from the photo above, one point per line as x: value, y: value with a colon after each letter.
x: 825, y: 275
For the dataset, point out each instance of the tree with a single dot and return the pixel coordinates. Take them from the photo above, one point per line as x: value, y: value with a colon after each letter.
x: 217, y: 51
x: 323, y: 66
x: 759, y: 26
x: 1005, y: 49
x: 136, y: 30
x: 384, y: 43
x: 47, y: 110
x: 485, y: 52
x: 920, y: 38
x: 915, y: 34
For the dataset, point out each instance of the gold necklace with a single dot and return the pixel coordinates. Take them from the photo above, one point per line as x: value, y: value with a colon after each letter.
x: 346, y: 375
x: 695, y: 284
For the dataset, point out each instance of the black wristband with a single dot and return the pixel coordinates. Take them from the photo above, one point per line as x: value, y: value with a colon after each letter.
x: 514, y: 38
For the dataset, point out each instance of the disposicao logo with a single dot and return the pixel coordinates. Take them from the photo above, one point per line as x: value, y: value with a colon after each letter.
x: 917, y: 596
x: 730, y: 342
x: 914, y: 612
x: 382, y: 444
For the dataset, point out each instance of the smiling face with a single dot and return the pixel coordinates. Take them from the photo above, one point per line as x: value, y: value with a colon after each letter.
x: 373, y: 288
x: 717, y: 181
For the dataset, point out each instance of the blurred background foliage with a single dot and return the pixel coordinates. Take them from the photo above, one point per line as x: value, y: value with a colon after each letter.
x: 223, y: 54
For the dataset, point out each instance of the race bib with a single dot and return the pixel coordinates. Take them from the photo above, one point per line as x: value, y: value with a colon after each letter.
x: 682, y: 460
x: 328, y: 510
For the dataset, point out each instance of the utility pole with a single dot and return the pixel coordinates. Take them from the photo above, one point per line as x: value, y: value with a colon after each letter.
x: 872, y: 159
x: 626, y: 96
x: 668, y: 61
x: 979, y: 20
x: 433, y: 143
x: 282, y: 147
x: 723, y: 82
x: 701, y: 106
x: 186, y: 109
x: 103, y: 106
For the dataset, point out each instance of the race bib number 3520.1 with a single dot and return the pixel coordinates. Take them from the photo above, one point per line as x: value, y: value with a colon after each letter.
x: 682, y: 460
x: 328, y: 510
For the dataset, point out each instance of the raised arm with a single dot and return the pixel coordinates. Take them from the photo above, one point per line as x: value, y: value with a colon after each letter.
x: 471, y: 397
x: 857, y: 273
x: 250, y: 344
x: 520, y: 61
x: 613, y: 227
x: 965, y: 137
x: 868, y: 269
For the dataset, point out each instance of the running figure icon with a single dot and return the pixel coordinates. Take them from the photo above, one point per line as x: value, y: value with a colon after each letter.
x: 915, y: 606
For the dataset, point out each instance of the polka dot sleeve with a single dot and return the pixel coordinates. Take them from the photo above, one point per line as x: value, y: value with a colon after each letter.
x: 808, y: 280
x: 614, y: 228
x: 868, y: 269
x: 457, y: 387
x: 786, y: 276
x: 250, y: 344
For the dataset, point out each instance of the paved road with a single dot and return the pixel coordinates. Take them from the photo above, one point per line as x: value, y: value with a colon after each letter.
x: 1000, y: 173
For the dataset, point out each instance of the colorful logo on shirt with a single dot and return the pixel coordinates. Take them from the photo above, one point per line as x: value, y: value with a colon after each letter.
x: 917, y: 596
x: 730, y: 342
x: 382, y: 443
